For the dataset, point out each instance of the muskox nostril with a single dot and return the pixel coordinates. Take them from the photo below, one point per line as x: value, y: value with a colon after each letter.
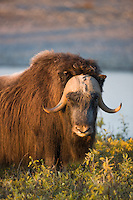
x: 82, y: 129
x: 78, y: 128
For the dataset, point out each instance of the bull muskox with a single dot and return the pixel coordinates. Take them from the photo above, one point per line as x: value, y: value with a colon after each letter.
x: 49, y: 111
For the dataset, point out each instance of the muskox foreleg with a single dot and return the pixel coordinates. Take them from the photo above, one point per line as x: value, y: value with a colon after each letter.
x: 51, y: 150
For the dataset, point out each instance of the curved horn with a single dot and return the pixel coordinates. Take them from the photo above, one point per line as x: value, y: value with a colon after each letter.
x: 105, y: 108
x: 71, y: 85
x: 58, y: 107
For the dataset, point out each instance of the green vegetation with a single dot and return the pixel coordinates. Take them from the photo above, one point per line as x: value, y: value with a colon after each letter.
x: 105, y: 174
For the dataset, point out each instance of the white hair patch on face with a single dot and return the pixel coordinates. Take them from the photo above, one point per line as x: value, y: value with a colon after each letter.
x: 85, y: 77
x: 86, y: 88
x: 88, y: 84
x: 83, y: 83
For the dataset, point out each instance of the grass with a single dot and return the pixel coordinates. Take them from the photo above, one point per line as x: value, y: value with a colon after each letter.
x: 106, y: 173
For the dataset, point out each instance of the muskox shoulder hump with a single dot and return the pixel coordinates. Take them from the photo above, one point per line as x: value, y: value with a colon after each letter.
x: 41, y: 55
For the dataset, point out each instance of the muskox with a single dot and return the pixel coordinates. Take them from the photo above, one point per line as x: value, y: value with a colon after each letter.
x: 49, y: 111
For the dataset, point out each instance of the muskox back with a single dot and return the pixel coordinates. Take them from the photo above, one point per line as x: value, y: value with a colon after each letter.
x: 25, y: 129
x: 8, y: 80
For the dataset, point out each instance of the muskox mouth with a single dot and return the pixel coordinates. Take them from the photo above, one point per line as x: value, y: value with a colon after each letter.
x: 81, y: 133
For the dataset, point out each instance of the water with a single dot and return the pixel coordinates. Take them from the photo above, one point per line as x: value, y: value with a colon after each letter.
x: 117, y: 89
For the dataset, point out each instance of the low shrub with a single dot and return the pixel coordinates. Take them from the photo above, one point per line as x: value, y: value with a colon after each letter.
x: 106, y: 173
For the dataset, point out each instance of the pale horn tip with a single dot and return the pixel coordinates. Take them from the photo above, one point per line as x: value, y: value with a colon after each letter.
x: 46, y: 110
x: 57, y: 108
x: 117, y: 109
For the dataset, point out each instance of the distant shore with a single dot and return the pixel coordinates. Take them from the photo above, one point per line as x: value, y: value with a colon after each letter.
x: 98, y: 30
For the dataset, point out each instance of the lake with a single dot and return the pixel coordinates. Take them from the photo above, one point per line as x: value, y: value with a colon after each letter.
x: 117, y: 89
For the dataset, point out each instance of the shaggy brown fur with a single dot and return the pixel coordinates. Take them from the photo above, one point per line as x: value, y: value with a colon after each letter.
x: 8, y: 80
x: 25, y: 127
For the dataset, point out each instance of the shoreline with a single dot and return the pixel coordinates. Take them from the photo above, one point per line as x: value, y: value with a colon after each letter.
x: 100, y: 31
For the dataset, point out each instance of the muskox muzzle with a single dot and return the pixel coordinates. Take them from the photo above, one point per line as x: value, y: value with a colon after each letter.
x: 89, y: 89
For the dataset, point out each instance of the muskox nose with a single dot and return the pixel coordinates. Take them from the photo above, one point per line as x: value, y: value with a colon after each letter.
x: 82, y: 130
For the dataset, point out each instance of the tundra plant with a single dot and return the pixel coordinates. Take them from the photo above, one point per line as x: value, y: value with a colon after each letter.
x: 106, y: 173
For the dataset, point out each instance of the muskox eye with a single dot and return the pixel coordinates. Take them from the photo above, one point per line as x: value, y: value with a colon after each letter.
x: 65, y: 73
x: 96, y: 97
x: 71, y: 97
x: 92, y: 96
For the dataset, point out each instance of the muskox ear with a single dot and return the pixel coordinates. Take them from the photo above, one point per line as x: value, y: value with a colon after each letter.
x: 102, y: 77
x: 63, y: 77
x: 101, y: 80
